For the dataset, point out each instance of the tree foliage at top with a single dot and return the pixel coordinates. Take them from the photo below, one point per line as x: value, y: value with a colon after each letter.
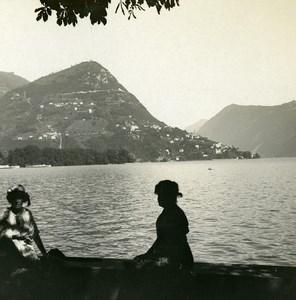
x: 69, y: 11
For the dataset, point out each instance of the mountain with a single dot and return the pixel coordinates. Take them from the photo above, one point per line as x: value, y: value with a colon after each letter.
x: 268, y: 130
x: 194, y: 128
x: 85, y: 106
x: 10, y: 81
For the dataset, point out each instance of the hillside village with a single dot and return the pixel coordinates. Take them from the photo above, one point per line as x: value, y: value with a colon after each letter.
x: 85, y: 107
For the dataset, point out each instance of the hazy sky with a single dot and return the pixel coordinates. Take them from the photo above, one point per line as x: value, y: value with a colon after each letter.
x: 182, y: 65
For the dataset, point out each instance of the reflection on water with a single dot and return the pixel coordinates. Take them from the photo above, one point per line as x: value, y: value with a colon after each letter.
x: 240, y: 211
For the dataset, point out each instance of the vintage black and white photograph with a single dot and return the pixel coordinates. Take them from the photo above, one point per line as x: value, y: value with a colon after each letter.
x: 147, y: 149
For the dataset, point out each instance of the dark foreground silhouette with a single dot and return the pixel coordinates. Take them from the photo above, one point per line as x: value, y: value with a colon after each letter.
x: 94, y: 278
x: 170, y: 252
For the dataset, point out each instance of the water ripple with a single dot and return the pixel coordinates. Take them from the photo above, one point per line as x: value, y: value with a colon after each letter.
x: 240, y: 212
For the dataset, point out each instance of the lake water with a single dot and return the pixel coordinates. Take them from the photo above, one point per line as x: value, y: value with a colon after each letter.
x: 239, y: 211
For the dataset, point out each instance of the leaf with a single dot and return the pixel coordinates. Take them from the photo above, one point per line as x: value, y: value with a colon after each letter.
x: 45, y: 16
x: 117, y: 8
x: 104, y: 21
x: 72, y: 19
x: 39, y: 16
x: 141, y: 8
x: 122, y: 10
x: 38, y: 9
x: 158, y: 7
x: 94, y: 18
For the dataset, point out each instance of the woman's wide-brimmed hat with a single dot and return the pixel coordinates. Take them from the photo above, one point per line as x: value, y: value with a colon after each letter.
x: 167, y: 187
x: 18, y: 191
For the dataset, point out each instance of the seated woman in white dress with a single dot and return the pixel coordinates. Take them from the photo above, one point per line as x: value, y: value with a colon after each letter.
x: 18, y: 228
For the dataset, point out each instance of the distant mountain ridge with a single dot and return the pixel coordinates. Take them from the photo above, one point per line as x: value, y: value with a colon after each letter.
x: 10, y: 81
x: 194, y: 128
x: 84, y: 106
x: 268, y: 130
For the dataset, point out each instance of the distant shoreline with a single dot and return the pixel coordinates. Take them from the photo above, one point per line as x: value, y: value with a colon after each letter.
x: 136, y: 162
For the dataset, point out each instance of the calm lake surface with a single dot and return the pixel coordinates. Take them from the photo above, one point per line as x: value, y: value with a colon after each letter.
x: 239, y: 211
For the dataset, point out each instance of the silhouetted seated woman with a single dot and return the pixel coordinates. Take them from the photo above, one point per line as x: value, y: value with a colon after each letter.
x: 18, y: 230
x: 170, y: 250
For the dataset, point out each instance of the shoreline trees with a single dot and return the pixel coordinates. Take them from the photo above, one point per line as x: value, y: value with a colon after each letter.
x: 33, y: 155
